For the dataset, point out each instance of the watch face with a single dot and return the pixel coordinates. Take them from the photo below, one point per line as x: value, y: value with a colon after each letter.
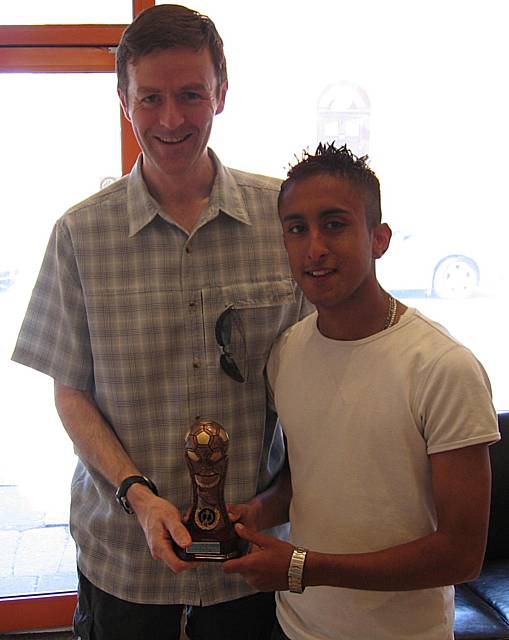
x: 125, y: 505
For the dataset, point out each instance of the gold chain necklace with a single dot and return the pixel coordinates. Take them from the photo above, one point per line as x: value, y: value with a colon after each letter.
x: 391, y: 312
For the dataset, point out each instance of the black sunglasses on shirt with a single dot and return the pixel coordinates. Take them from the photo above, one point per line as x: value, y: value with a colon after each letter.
x: 223, y: 330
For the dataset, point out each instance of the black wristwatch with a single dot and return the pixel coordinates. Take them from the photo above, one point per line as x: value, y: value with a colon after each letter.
x: 124, y: 486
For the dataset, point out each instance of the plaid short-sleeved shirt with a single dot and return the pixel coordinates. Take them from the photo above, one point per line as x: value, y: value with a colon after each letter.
x: 125, y: 306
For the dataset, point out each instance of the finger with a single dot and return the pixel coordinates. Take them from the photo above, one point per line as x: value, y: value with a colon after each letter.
x: 235, y: 566
x: 234, y: 512
x: 248, y: 534
x: 179, y: 534
x: 176, y: 564
x: 168, y: 521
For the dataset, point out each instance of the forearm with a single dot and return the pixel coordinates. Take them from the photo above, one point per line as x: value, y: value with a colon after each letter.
x: 431, y: 561
x: 94, y: 440
x: 451, y: 555
x: 97, y: 445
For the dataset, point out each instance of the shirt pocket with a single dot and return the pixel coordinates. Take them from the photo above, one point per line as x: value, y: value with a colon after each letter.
x: 262, y: 310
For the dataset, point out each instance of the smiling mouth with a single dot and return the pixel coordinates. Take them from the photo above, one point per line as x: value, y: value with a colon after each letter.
x: 173, y: 140
x: 207, y: 482
x: 320, y: 273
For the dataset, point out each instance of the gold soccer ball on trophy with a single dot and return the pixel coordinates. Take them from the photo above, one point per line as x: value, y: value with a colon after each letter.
x: 205, y: 448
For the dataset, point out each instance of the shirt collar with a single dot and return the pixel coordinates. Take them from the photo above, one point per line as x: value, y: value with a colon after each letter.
x: 225, y: 197
x: 141, y: 206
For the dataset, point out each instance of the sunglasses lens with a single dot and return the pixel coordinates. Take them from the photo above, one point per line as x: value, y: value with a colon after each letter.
x: 230, y: 368
x: 223, y: 328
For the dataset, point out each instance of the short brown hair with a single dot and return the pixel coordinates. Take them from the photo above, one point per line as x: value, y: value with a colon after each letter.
x: 167, y: 26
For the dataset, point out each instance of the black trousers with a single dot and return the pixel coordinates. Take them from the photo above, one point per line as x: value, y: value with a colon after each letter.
x: 278, y: 633
x: 101, y: 616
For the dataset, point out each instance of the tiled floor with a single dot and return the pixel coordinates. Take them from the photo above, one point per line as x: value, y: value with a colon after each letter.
x: 36, y: 555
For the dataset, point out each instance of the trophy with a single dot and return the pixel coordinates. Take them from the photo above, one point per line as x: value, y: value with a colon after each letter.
x: 211, y: 530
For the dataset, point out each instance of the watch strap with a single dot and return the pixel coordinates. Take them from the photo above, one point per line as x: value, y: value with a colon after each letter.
x: 121, y: 492
x: 296, y: 569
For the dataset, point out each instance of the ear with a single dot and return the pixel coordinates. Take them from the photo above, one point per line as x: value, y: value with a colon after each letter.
x: 381, y: 239
x: 123, y: 101
x: 222, y: 97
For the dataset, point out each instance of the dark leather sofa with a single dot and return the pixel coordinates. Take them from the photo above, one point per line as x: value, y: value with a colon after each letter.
x: 482, y: 606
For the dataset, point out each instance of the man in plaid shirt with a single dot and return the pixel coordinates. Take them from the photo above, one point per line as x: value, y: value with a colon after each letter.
x: 123, y: 317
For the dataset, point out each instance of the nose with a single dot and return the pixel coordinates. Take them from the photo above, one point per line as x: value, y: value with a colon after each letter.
x: 170, y: 115
x: 317, y: 247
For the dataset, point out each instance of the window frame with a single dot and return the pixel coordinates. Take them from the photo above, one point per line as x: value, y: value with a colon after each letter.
x: 60, y: 49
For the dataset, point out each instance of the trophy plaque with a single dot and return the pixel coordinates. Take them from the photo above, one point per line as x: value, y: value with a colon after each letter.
x: 211, y: 530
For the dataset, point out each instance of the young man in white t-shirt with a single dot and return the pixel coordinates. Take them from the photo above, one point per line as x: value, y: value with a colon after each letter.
x: 387, y: 420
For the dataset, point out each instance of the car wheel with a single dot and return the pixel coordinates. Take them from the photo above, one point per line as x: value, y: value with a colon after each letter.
x: 455, y: 277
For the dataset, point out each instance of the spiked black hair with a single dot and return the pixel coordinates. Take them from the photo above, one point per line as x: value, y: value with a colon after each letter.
x: 340, y: 162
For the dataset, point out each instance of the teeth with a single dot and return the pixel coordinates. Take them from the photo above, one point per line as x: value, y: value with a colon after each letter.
x: 323, y: 272
x: 172, y: 140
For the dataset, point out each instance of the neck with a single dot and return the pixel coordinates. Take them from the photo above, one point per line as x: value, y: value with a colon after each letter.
x: 355, y: 320
x: 184, y: 196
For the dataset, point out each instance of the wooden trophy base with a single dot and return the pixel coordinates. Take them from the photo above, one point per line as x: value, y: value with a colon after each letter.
x: 211, y: 550
x: 208, y: 546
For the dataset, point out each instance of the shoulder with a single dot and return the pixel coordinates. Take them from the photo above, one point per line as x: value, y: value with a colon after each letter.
x: 245, y: 179
x: 295, y: 337
x: 109, y: 199
x: 431, y: 348
x: 249, y: 197
x: 452, y: 391
x: 252, y: 197
x: 255, y: 181
x: 425, y: 338
x: 431, y: 367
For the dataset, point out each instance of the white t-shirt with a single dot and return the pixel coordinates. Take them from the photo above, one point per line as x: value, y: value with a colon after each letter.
x: 361, y: 418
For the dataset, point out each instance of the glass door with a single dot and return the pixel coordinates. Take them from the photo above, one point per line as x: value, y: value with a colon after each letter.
x: 61, y: 141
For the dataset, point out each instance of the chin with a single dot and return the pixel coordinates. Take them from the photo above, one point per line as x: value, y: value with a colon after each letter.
x: 326, y: 298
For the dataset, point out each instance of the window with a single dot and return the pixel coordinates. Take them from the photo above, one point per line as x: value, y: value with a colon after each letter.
x: 64, y: 12
x: 71, y: 149
x: 61, y: 130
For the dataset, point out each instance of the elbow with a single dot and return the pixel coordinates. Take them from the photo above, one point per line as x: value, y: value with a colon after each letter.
x: 65, y: 396
x: 468, y: 566
x: 61, y: 394
x: 473, y: 571
x: 467, y: 576
x: 463, y: 555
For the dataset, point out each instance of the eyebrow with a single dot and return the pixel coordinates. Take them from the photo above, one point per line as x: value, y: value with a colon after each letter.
x: 323, y: 214
x: 148, y: 89
x: 187, y: 87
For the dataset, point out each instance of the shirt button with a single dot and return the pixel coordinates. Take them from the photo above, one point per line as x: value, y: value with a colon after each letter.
x: 196, y: 363
x: 192, y: 304
x: 188, y: 249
